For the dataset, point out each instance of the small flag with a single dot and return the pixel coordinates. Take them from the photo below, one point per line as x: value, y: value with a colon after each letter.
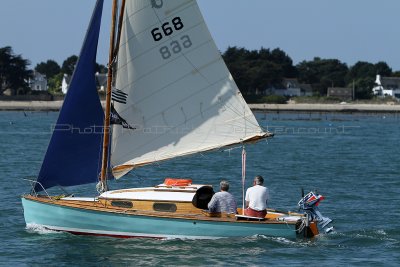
x: 119, y: 96
x: 115, y: 118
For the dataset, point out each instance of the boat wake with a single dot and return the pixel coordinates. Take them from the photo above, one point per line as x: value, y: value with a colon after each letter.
x: 39, y: 229
x: 374, y: 235
x: 280, y: 240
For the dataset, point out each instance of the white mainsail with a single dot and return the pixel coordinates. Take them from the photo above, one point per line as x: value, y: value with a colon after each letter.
x: 173, y: 86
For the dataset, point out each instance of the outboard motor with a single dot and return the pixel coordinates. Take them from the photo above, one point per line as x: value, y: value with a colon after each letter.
x: 309, y: 204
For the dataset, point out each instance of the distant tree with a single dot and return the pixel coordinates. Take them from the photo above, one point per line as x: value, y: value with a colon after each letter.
x: 396, y: 74
x: 14, y: 71
x: 323, y: 73
x: 54, y: 83
x: 359, y: 70
x: 363, y: 87
x: 285, y: 63
x: 101, y: 68
x: 235, y: 58
x: 258, y: 69
x: 383, y: 69
x: 49, y: 68
x: 68, y: 65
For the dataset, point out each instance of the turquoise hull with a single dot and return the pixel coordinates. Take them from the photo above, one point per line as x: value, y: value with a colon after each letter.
x: 81, y: 221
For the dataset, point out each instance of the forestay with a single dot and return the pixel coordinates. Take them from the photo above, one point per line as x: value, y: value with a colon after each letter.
x: 177, y: 91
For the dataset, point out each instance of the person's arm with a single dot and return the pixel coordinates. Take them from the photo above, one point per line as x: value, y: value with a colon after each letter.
x: 247, y: 199
x: 212, y: 204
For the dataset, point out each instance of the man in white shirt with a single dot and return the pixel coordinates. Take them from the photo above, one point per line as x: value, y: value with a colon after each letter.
x: 256, y: 199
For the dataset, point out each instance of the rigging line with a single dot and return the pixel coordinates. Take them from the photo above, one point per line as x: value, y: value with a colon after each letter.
x: 106, y: 135
x: 232, y: 148
x: 99, y: 162
x: 239, y: 114
x: 119, y: 27
x: 141, y: 180
x: 128, y: 18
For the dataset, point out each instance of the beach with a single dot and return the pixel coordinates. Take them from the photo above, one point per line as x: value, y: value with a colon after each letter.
x: 56, y: 105
x: 30, y: 105
x: 327, y: 107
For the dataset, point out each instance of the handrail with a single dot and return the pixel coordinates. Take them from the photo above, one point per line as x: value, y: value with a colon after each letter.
x: 33, y: 183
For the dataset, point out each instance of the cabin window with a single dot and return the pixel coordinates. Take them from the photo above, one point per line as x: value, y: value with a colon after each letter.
x: 168, y: 207
x: 122, y: 204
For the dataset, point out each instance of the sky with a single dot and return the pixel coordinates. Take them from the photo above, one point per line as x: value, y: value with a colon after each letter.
x: 348, y: 30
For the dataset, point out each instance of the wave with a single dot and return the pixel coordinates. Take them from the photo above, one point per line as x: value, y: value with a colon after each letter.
x: 40, y: 229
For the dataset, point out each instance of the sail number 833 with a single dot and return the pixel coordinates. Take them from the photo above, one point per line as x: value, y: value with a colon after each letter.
x: 175, y: 46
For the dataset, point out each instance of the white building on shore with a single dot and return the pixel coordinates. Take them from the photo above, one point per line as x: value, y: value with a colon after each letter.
x: 38, y: 82
x: 290, y: 87
x: 387, y: 86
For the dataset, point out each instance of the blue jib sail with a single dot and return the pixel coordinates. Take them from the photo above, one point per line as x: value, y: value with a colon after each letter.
x: 74, y: 153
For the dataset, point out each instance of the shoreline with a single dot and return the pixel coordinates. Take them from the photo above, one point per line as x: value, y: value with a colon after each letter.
x: 56, y: 105
x: 345, y: 108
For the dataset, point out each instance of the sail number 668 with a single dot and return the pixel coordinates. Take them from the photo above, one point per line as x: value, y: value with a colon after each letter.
x: 167, y: 29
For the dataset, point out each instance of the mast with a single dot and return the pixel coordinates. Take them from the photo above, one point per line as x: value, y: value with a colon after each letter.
x: 120, y: 20
x: 106, y: 137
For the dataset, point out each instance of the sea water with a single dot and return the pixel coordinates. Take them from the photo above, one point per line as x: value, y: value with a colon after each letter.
x: 351, y: 159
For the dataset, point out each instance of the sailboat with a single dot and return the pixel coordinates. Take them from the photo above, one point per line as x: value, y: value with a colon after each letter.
x: 169, y: 95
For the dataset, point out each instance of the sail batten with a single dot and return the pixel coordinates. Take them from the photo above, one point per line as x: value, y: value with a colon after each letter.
x: 180, y: 96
